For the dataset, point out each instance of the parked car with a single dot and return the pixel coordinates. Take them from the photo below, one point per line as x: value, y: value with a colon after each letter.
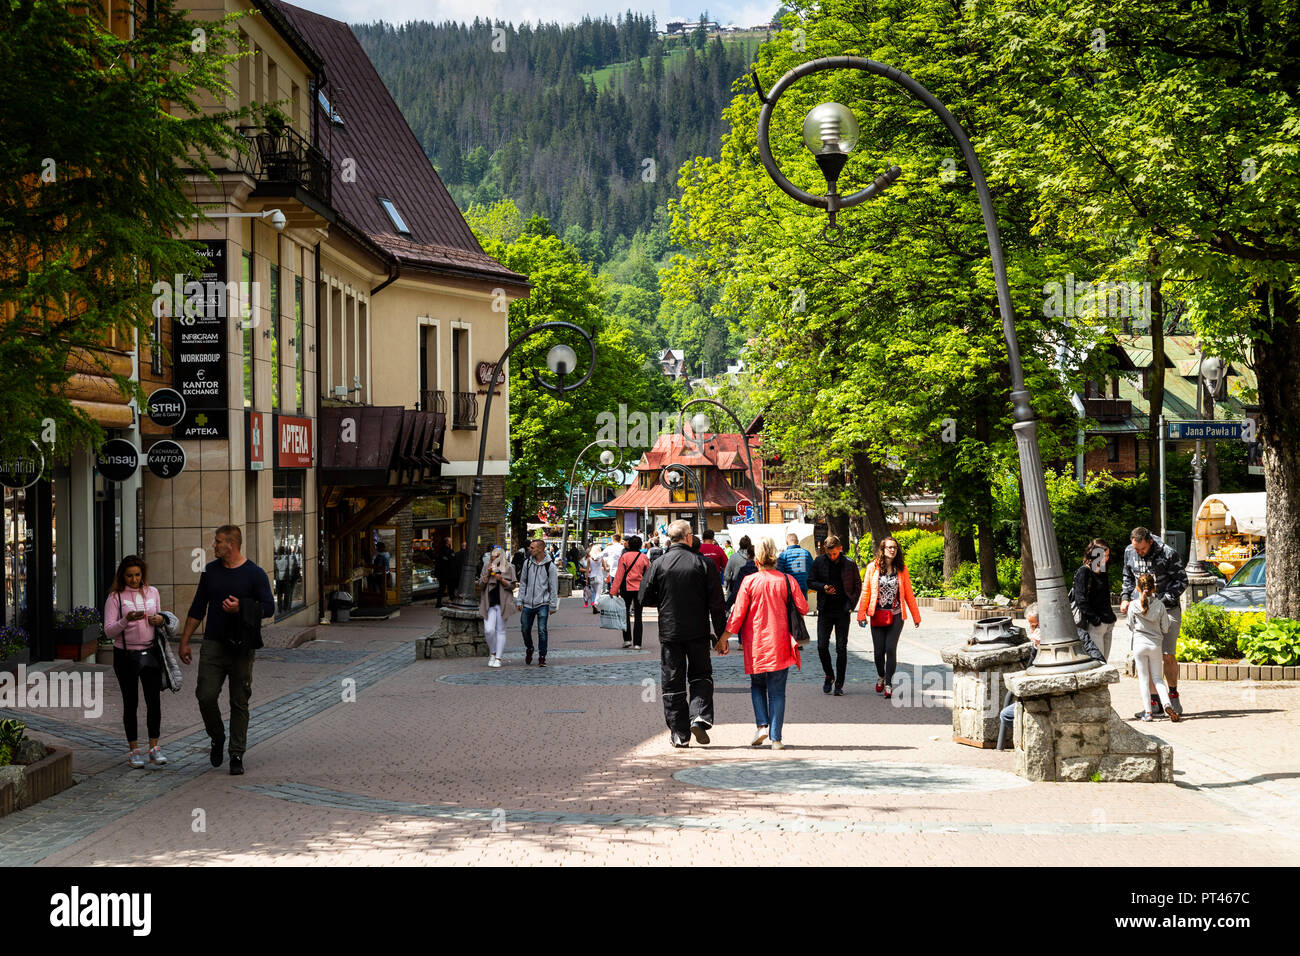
x: 1244, y: 593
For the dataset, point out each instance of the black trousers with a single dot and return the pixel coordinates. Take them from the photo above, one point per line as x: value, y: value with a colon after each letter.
x: 885, y: 640
x: 687, y: 684
x: 632, y: 631
x: 131, y: 678
x: 839, y: 622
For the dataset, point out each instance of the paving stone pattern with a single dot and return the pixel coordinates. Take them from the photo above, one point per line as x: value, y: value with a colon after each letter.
x: 846, y: 776
x: 78, y: 812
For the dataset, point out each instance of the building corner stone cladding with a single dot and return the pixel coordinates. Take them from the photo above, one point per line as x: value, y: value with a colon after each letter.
x: 1067, y: 731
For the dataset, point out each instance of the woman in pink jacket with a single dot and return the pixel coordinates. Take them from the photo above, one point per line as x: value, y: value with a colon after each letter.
x: 131, y: 613
x: 629, y: 570
x: 759, y: 617
x: 886, y: 599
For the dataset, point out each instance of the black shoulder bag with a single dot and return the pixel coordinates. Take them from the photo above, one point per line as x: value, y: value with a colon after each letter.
x: 798, y: 630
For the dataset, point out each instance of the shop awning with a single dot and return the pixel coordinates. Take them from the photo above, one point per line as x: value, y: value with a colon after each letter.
x: 378, y: 446
x: 1245, y: 511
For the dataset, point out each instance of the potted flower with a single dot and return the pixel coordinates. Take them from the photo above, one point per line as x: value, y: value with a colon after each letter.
x: 76, y: 633
x: 13, y: 648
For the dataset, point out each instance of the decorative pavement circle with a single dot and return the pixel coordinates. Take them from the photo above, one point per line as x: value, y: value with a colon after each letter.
x: 839, y: 777
x: 727, y: 671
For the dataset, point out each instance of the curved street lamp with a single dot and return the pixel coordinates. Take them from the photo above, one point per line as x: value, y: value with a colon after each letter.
x: 562, y: 360
x: 672, y: 477
x: 700, y: 427
x: 830, y: 132
x: 611, y: 460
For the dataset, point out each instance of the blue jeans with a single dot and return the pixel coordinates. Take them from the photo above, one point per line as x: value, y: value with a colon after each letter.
x: 768, y: 693
x: 526, y: 616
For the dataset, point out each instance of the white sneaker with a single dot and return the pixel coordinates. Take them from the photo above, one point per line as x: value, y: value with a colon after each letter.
x: 759, y: 736
x: 135, y: 759
x: 777, y: 745
x: 494, y: 662
x: 626, y: 645
x: 156, y: 757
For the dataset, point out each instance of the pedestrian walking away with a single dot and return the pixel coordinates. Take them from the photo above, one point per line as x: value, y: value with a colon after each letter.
x: 609, y: 557
x: 796, y: 561
x: 444, y: 566
x: 687, y: 590
x: 759, y: 616
x: 1149, y: 620
x: 713, y: 551
x: 234, y: 594
x: 1147, y: 554
x: 1090, y: 596
x: 496, y: 603
x: 131, y: 614
x: 734, y: 563
x: 632, y: 567
x: 539, y: 596
x: 747, y: 566
x: 838, y: 584
x: 886, y: 601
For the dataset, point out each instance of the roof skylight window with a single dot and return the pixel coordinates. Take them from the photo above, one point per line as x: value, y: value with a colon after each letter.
x: 398, y: 222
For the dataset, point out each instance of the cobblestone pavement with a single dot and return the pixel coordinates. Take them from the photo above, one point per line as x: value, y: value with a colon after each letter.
x: 363, y: 754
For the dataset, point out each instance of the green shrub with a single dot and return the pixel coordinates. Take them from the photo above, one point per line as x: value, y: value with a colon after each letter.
x: 909, y: 536
x: 1275, y: 642
x: 6, y: 755
x: 965, y: 581
x: 1009, y: 576
x: 1211, y: 625
x: 1192, y: 650
x: 924, y: 561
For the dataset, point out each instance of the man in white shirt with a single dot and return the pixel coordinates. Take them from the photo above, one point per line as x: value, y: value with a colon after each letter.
x: 609, y: 558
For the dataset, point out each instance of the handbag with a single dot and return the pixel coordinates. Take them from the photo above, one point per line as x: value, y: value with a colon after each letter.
x: 613, y: 612
x: 882, y: 618
x: 798, y: 629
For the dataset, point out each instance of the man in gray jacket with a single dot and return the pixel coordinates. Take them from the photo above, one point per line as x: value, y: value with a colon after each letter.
x: 539, y: 595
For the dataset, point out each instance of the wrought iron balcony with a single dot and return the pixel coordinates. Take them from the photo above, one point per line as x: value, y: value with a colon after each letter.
x: 434, y: 400
x: 279, y: 156
x: 465, y: 414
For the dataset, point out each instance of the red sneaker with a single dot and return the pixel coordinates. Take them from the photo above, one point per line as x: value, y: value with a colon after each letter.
x: 880, y: 685
x: 889, y: 692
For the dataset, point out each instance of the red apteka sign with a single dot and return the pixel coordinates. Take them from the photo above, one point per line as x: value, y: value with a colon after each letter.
x: 293, y: 442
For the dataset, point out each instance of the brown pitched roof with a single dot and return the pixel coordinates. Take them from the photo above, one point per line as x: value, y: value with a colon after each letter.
x: 388, y: 162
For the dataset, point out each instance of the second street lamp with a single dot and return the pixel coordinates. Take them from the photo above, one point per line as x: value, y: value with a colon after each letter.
x: 562, y: 360
x: 675, y: 476
x: 830, y: 132
x: 611, y: 460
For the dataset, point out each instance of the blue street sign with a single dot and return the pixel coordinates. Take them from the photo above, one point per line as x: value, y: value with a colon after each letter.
x: 1207, y: 430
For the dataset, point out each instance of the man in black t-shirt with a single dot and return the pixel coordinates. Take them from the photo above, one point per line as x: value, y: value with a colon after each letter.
x: 234, y: 594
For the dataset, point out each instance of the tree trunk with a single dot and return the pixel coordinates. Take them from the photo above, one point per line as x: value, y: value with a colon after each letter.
x: 984, y: 518
x: 1157, y: 400
x: 951, y: 551
x: 837, y: 521
x: 864, y: 472
x: 966, y: 541
x: 1279, y: 431
x: 1028, y: 583
x: 518, y: 526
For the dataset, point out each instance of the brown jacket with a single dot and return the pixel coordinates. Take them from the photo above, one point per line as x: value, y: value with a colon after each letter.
x: 507, y: 586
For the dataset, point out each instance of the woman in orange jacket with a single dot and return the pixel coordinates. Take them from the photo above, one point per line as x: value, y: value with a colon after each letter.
x: 885, y: 602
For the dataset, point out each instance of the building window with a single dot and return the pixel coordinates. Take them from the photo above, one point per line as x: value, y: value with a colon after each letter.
x: 686, y: 492
x: 290, y: 541
x: 275, y: 338
x: 299, y: 343
x: 737, y: 479
x: 1112, y: 449
x: 335, y: 118
x: 788, y: 515
x: 246, y: 314
x: 645, y: 480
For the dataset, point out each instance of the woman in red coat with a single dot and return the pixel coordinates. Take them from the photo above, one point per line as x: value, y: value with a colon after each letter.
x: 759, y: 617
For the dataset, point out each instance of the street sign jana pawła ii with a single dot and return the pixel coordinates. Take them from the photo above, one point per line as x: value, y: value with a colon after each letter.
x: 1209, y: 431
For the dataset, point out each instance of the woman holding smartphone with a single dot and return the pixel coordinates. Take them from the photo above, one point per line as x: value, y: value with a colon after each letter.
x: 131, y: 613
x: 496, y: 603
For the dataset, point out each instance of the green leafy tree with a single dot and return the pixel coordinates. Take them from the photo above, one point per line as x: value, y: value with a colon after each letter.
x: 97, y: 132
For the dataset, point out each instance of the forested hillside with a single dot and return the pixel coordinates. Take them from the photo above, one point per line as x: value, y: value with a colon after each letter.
x: 585, y: 124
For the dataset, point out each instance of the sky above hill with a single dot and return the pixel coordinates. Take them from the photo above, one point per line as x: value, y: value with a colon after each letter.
x: 740, y: 12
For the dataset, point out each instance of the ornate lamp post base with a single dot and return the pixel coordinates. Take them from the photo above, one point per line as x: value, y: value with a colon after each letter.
x: 460, y: 635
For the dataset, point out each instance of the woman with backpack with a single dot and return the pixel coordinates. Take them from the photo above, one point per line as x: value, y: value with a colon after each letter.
x: 631, y: 567
x: 886, y: 599
x: 1091, y: 595
x: 131, y: 613
x: 760, y: 617
x: 496, y: 603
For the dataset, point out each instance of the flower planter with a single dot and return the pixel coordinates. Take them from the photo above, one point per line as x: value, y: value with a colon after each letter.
x: 76, y: 644
x: 946, y: 604
x: 9, y: 665
x: 36, y: 782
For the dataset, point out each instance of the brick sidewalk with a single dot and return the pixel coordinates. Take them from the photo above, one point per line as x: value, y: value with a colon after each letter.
x: 448, y: 762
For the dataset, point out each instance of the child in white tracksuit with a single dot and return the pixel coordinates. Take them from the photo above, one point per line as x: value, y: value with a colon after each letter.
x: 1148, y: 619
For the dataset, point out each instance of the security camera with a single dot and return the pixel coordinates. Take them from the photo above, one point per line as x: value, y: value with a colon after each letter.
x: 277, y: 220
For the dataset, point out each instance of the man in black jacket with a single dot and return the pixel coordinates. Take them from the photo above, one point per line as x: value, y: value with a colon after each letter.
x: 687, y: 589
x: 234, y: 594
x: 838, y: 584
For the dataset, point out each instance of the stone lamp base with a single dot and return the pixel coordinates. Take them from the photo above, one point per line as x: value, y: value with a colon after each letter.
x: 460, y: 635
x: 1067, y: 731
